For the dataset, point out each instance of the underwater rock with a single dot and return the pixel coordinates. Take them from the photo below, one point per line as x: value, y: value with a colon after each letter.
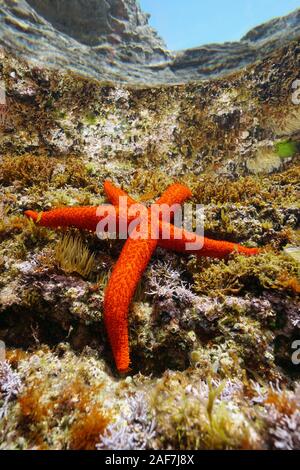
x: 219, y: 59
x: 293, y: 252
x: 207, y: 336
x: 112, y: 40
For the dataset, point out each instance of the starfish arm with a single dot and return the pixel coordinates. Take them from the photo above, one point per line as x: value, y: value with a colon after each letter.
x: 179, y: 240
x: 222, y: 249
x: 114, y: 193
x: 120, y: 290
x: 83, y: 218
x: 175, y: 194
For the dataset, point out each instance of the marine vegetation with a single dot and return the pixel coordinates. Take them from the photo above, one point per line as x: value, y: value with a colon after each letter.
x: 134, y: 258
x: 212, y: 338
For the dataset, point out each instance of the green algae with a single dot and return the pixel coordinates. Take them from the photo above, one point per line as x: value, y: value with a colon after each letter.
x: 287, y: 149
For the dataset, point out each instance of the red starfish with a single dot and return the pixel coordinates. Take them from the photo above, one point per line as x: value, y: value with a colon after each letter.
x: 136, y: 253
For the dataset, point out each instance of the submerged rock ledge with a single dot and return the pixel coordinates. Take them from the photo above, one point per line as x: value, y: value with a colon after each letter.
x: 211, y: 341
x: 111, y: 40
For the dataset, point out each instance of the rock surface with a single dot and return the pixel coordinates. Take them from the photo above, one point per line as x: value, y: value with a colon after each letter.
x: 233, y: 141
x: 111, y: 40
x: 212, y: 342
x: 217, y: 59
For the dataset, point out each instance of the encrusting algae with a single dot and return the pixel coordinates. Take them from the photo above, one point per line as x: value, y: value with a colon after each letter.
x: 211, y: 340
x: 134, y: 257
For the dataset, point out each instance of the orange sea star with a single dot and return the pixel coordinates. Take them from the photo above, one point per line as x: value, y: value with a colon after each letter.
x: 127, y: 273
x: 135, y: 254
